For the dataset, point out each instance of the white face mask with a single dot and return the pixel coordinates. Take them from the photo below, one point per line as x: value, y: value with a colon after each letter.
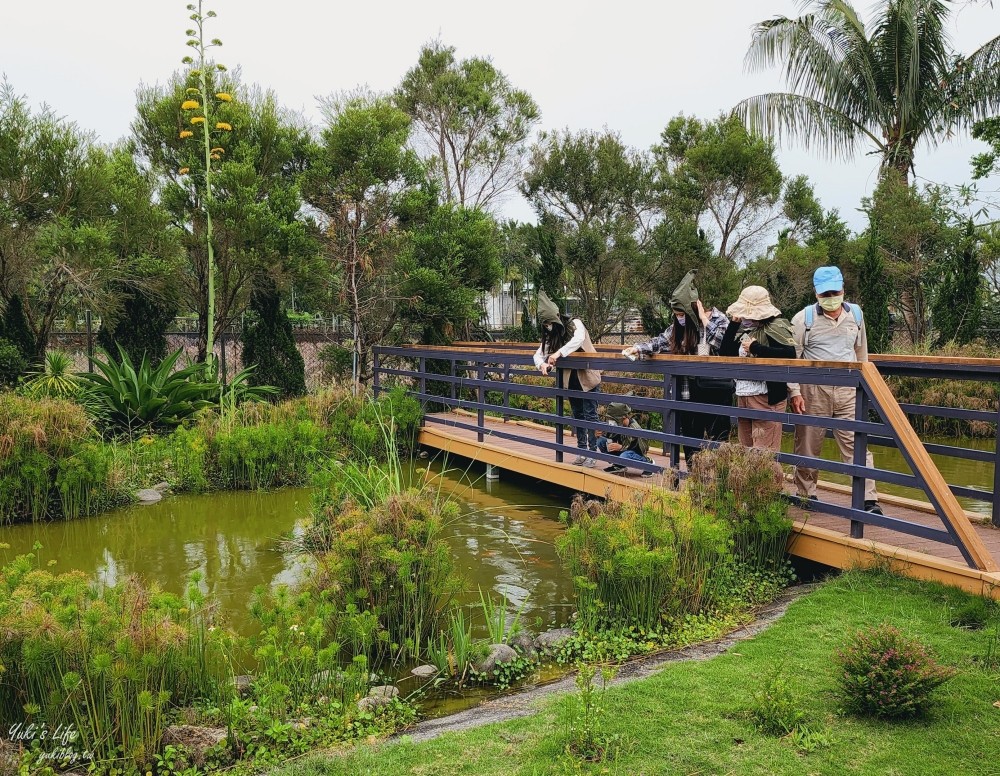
x: 681, y: 319
x: 831, y: 303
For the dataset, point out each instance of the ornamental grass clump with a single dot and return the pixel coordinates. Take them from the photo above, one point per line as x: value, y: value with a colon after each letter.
x: 738, y: 484
x: 883, y: 673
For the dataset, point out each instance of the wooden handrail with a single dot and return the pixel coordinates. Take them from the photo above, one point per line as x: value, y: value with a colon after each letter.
x: 913, y: 449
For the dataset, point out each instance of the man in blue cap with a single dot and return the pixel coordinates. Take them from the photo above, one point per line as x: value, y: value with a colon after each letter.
x: 830, y: 330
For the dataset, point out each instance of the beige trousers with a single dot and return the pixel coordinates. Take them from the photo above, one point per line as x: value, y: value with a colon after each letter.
x: 763, y: 434
x: 834, y: 402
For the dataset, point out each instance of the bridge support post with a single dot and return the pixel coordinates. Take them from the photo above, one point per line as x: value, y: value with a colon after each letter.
x: 860, y: 459
x: 492, y: 472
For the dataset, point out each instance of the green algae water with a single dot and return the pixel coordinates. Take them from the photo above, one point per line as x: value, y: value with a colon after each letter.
x: 504, y: 543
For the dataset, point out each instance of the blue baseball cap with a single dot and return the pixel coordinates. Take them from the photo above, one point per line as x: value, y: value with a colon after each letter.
x: 828, y: 279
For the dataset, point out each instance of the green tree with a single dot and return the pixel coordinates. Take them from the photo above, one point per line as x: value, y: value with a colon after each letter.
x: 985, y: 164
x: 725, y: 179
x: 889, y: 84
x: 54, y: 229
x: 875, y: 293
x: 956, y: 311
x: 269, y: 343
x: 258, y: 233
x: 453, y: 257
x: 474, y: 123
x: 596, y: 196
x: 358, y: 174
x: 144, y: 239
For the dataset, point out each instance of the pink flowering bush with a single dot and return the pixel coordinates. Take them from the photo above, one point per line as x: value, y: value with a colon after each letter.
x: 884, y: 673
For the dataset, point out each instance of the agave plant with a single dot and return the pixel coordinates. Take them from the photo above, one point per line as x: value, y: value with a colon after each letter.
x: 56, y: 380
x: 240, y: 390
x: 147, y: 397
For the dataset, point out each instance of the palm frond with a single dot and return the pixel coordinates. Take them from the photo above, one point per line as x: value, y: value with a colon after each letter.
x: 803, y: 119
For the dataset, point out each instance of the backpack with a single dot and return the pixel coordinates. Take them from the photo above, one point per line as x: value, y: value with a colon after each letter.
x: 810, y: 318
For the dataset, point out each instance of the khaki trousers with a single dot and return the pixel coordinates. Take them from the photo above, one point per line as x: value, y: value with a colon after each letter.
x: 834, y: 402
x: 763, y: 434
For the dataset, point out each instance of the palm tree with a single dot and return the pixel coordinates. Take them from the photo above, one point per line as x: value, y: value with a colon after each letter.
x: 889, y: 85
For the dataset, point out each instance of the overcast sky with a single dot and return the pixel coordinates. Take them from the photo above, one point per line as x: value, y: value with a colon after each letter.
x: 626, y: 65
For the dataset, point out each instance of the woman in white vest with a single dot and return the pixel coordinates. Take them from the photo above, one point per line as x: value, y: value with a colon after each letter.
x: 562, y: 335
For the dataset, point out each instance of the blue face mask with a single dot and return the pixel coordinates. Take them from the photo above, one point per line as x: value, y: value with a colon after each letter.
x: 681, y: 319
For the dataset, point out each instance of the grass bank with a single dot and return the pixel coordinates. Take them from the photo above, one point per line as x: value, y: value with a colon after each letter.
x: 695, y: 717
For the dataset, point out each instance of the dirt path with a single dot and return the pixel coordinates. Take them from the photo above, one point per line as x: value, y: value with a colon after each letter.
x: 524, y: 704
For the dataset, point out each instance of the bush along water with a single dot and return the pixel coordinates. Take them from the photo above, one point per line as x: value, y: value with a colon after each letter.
x: 120, y: 666
x: 671, y: 568
x: 60, y: 460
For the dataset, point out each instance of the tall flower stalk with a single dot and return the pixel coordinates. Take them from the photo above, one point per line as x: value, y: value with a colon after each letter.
x: 201, y: 107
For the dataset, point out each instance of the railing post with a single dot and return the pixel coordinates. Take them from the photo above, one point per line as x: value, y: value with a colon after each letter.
x: 454, y: 372
x: 860, y: 459
x: 422, y: 366
x: 671, y: 421
x: 560, y: 413
x: 481, y: 399
x: 376, y: 374
x: 506, y: 388
x: 996, y: 476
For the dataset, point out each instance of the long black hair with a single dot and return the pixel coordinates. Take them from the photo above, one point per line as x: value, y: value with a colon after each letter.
x: 685, y: 338
x: 557, y: 337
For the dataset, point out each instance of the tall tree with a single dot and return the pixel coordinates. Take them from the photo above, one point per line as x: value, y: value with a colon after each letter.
x: 358, y: 174
x: 956, y: 310
x: 596, y: 194
x: 889, y: 84
x: 54, y: 228
x: 728, y: 180
x: 472, y: 120
x: 257, y: 229
x: 874, y: 293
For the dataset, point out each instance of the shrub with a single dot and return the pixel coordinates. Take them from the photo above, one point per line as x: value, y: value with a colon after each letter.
x: 336, y: 362
x: 269, y: 344
x: 12, y: 363
x: 883, y: 673
x: 738, y: 484
x: 389, y: 559
x: 641, y: 562
x: 147, y: 397
x: 105, y: 660
x: 775, y: 710
x: 268, y: 455
x: 56, y: 380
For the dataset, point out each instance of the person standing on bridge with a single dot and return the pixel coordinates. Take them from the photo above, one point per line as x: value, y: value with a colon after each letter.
x: 694, y: 331
x: 562, y: 335
x: 830, y: 330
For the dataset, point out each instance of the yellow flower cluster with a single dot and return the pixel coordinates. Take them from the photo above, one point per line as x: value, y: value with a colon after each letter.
x: 190, y: 105
x: 198, y: 120
x: 185, y: 133
x: 224, y: 126
x: 184, y: 170
x: 224, y: 97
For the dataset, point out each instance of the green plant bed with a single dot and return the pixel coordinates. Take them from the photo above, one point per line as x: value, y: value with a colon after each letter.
x: 697, y: 717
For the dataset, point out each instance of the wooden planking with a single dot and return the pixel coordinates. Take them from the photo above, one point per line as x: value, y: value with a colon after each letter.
x: 940, y: 494
x: 818, y: 537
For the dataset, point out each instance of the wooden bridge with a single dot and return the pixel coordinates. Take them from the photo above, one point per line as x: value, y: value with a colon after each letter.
x: 494, y: 407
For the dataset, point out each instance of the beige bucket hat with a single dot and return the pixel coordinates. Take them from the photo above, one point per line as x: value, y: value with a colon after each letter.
x: 754, y: 304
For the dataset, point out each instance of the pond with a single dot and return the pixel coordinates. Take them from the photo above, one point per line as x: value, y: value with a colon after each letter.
x: 504, y: 542
x: 972, y: 474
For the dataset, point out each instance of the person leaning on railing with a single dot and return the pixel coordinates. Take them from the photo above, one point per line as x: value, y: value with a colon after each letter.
x: 830, y: 330
x: 757, y: 330
x: 694, y: 331
x: 562, y: 335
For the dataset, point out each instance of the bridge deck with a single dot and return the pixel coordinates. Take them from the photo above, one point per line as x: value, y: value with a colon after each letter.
x: 824, y: 538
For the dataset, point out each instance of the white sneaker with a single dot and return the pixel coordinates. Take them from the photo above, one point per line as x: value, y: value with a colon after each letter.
x: 590, y: 463
x: 581, y: 460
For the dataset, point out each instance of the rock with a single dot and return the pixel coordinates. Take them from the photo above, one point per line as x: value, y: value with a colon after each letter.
x: 378, y: 697
x: 243, y: 684
x: 424, y: 671
x: 161, y: 487
x: 553, y: 638
x: 148, y: 496
x: 499, y: 654
x: 301, y: 724
x: 525, y: 644
x: 195, y: 740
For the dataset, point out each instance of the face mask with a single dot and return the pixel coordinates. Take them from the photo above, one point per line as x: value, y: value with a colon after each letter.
x: 680, y: 319
x: 548, y: 327
x: 831, y: 303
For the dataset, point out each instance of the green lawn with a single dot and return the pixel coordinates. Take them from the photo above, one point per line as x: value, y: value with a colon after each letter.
x: 688, y: 719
